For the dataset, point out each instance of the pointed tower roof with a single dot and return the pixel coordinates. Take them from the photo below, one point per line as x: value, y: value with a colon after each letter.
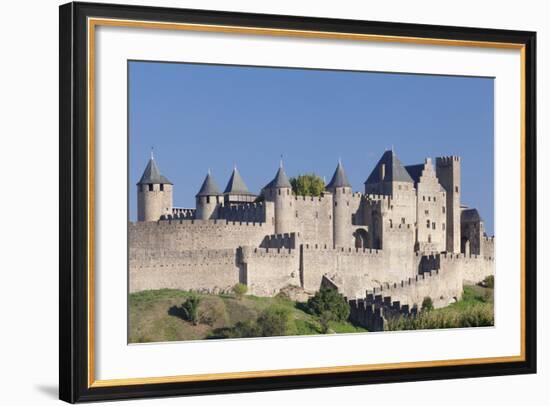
x: 209, y: 187
x: 339, y: 179
x: 236, y: 185
x: 393, y: 172
x: 152, y: 175
x: 280, y: 180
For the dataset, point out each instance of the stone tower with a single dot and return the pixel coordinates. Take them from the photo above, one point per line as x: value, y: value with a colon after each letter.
x: 154, y: 193
x: 341, y: 190
x: 208, y: 199
x: 389, y: 177
x: 279, y: 191
x: 448, y: 173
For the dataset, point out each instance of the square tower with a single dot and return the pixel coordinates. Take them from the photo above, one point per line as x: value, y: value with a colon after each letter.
x: 448, y: 173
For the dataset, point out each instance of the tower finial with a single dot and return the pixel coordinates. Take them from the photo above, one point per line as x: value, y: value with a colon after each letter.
x: 339, y: 160
x: 281, y: 162
x: 209, y: 171
x: 234, y: 166
x: 152, y: 155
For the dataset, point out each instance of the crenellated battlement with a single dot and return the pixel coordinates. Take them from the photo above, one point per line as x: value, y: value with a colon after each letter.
x: 181, y: 213
x: 447, y: 160
x: 324, y: 248
x: 183, y: 223
x: 393, y: 288
x: 286, y: 240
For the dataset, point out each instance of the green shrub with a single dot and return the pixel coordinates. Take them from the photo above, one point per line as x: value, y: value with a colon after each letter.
x: 190, y: 309
x: 427, y: 304
x: 274, y: 321
x: 489, y: 282
x: 329, y: 300
x: 240, y: 290
x: 476, y: 315
x: 307, y: 185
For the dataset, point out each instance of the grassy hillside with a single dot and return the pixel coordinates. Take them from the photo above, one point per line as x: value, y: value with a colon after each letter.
x: 475, y: 309
x: 155, y: 315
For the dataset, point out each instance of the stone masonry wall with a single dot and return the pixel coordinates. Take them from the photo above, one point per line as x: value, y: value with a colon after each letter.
x: 268, y: 270
x: 205, y: 270
x: 195, y: 234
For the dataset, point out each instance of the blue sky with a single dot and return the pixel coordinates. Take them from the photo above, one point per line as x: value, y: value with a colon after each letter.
x: 199, y: 117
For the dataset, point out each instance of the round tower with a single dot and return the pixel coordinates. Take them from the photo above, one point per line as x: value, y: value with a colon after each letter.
x: 341, y: 191
x: 154, y: 193
x: 208, y: 199
x: 279, y: 191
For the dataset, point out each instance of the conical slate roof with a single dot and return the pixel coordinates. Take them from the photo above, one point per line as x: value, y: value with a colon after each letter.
x: 339, y: 179
x: 280, y: 180
x: 152, y: 175
x: 236, y: 185
x: 209, y: 187
x: 394, y: 170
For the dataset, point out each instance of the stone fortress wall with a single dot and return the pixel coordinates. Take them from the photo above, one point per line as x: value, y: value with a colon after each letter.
x: 394, y: 238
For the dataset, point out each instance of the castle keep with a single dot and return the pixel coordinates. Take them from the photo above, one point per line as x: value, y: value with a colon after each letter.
x: 406, y: 237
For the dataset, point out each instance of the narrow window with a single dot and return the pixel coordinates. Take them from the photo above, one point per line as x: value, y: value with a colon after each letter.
x: 427, y: 223
x: 150, y: 188
x: 207, y: 199
x: 424, y: 198
x: 402, y: 220
x: 434, y: 198
x: 443, y: 226
x: 433, y: 226
x: 162, y: 187
x: 279, y: 191
x: 456, y: 189
x: 443, y: 209
x: 391, y: 223
x: 296, y: 213
x: 429, y: 198
x: 426, y: 212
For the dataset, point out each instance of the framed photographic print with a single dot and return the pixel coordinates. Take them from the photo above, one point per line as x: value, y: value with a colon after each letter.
x: 258, y: 202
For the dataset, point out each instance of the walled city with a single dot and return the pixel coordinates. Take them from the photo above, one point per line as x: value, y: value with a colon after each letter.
x: 408, y: 236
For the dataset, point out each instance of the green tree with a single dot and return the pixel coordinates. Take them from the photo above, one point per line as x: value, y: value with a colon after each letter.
x: 240, y: 290
x: 427, y: 304
x: 325, y: 318
x: 329, y: 300
x: 274, y: 321
x: 191, y: 309
x: 307, y: 185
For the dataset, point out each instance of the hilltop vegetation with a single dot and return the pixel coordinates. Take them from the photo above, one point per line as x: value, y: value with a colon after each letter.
x: 159, y: 315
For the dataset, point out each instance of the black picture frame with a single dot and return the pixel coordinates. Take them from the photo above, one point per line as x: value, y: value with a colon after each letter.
x: 74, y: 385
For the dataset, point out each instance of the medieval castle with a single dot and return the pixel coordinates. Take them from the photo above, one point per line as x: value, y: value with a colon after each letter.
x: 406, y: 237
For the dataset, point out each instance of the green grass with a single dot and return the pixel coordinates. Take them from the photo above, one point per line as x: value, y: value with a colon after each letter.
x: 150, y: 320
x: 475, y: 309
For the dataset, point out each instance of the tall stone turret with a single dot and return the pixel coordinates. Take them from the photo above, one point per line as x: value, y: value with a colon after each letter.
x: 154, y: 193
x: 208, y: 199
x: 448, y: 173
x: 341, y: 190
x: 279, y: 191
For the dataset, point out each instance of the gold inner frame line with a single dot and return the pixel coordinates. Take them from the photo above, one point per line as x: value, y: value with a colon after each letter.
x: 94, y: 22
